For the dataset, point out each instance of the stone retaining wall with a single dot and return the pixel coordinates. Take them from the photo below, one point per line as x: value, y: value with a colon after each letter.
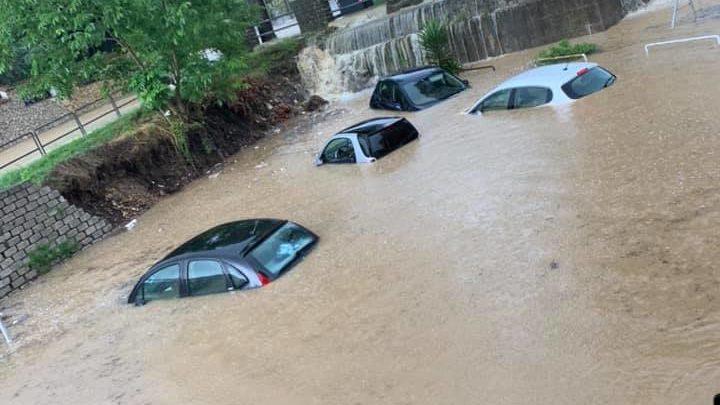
x: 32, y: 216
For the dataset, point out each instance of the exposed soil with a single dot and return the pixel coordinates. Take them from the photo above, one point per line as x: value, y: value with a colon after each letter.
x: 125, y: 177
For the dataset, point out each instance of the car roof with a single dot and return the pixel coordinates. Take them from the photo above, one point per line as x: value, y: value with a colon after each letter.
x: 413, y: 75
x: 370, y: 126
x: 223, y: 240
x: 547, y: 76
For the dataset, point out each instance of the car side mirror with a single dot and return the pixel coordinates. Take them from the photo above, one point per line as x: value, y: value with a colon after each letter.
x: 466, y: 82
x: 318, y: 160
x: 139, y: 301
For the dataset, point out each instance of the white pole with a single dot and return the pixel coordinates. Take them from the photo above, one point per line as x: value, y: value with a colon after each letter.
x: 5, y: 333
x: 674, y: 16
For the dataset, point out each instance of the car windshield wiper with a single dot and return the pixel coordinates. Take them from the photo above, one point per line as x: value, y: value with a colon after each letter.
x: 255, y: 239
x: 251, y: 244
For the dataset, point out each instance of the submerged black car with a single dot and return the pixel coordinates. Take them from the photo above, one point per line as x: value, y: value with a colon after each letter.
x: 234, y: 256
x: 367, y: 141
x: 415, y: 89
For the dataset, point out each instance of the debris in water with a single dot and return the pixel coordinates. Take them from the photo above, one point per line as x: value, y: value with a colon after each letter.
x: 261, y: 165
x: 554, y: 265
x: 130, y: 225
x: 315, y: 103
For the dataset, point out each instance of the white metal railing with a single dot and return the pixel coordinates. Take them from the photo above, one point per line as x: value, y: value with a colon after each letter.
x: 676, y: 41
x: 573, y: 56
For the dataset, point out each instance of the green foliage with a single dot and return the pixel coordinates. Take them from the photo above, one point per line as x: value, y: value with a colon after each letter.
x: 564, y: 48
x: 275, y: 53
x: 179, y: 132
x: 153, y: 47
x: 42, y: 258
x: 435, y: 42
x: 37, y: 171
x: 18, y: 67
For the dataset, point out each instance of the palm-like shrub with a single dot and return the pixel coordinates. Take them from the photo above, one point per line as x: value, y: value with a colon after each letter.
x: 434, y: 40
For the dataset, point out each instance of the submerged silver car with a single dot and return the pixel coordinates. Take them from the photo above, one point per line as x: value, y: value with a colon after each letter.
x: 547, y: 85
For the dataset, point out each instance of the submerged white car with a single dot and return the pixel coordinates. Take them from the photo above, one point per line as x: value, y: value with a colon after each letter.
x: 547, y: 85
x: 367, y: 141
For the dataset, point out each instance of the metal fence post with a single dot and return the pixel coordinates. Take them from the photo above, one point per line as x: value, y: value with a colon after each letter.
x: 38, y: 142
x: 5, y: 333
x: 79, y: 124
x: 114, y: 106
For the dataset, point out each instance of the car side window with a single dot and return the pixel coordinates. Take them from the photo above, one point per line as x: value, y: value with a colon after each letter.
x: 163, y: 284
x: 339, y: 150
x: 526, y: 97
x: 390, y: 95
x: 237, y: 277
x: 386, y: 91
x: 206, y: 277
x: 499, y: 100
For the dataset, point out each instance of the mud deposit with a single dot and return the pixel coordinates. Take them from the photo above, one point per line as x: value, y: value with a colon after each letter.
x: 547, y: 256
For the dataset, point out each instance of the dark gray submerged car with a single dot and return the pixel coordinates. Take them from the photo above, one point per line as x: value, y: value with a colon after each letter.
x: 416, y: 89
x: 234, y: 256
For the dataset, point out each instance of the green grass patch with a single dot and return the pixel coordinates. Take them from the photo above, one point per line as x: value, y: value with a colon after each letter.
x: 38, y: 170
x: 276, y: 53
x: 564, y: 48
x: 45, y: 256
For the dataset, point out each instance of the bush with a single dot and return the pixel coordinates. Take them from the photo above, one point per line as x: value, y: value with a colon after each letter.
x: 564, y: 48
x: 45, y: 256
x: 434, y: 40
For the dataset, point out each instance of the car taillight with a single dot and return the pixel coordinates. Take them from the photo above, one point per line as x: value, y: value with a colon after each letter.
x: 582, y: 71
x: 263, y: 279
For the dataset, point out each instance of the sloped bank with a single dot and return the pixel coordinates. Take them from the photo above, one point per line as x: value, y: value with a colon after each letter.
x: 126, y: 176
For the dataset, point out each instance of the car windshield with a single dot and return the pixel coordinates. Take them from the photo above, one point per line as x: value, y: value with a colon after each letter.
x: 281, y: 248
x: 588, y: 83
x: 438, y: 86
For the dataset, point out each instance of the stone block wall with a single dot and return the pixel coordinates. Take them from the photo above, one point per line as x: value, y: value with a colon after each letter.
x: 312, y: 15
x: 32, y: 216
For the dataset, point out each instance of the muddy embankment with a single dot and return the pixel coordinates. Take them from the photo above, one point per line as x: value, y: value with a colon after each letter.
x: 121, y: 179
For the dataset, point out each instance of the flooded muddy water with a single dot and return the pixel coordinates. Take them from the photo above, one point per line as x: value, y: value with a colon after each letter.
x: 545, y: 256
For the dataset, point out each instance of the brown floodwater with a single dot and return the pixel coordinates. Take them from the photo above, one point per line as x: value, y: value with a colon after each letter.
x: 545, y: 256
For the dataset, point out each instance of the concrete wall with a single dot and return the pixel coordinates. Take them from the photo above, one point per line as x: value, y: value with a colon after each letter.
x: 350, y: 59
x: 31, y: 216
x: 312, y: 15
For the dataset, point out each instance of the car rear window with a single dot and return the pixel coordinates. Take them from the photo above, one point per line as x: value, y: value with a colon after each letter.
x: 588, y: 82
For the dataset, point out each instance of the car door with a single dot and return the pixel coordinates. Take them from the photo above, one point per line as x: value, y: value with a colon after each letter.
x: 207, y: 276
x: 499, y: 100
x: 163, y: 283
x: 339, y: 150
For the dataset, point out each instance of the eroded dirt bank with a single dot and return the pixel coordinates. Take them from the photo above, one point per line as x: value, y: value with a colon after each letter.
x: 548, y: 256
x: 122, y: 179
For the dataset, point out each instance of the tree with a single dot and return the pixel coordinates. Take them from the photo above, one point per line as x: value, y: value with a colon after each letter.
x: 435, y: 42
x: 155, y: 48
